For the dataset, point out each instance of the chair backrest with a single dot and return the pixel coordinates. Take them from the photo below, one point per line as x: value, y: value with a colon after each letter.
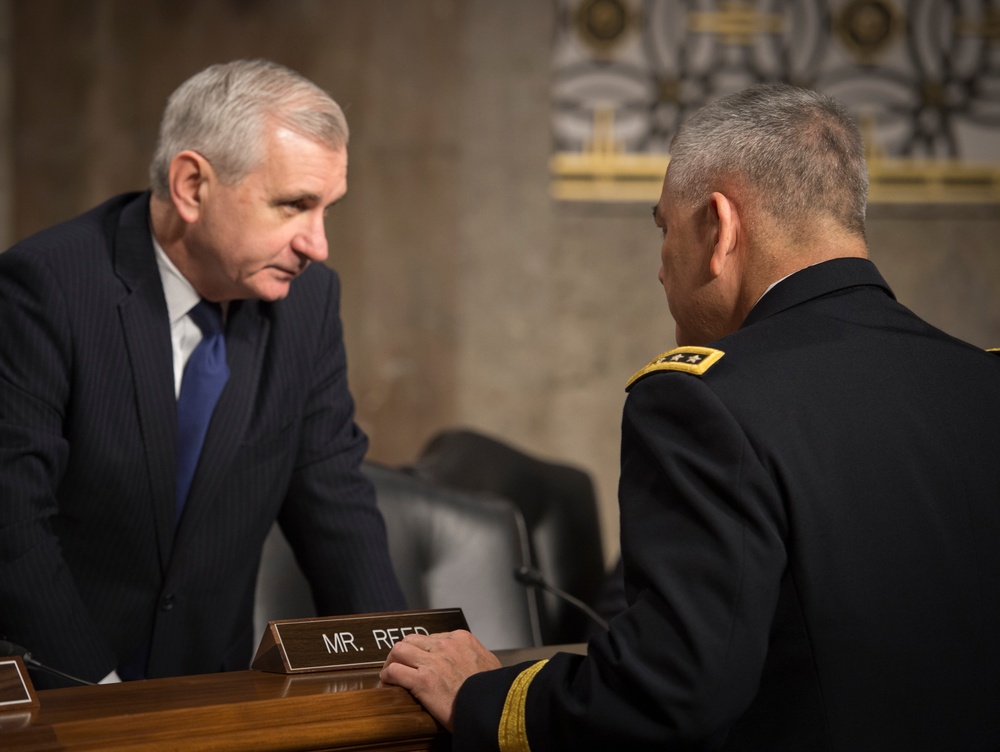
x: 449, y: 548
x: 559, y: 505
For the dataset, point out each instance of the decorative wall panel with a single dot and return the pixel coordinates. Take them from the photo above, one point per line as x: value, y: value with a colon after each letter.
x: 921, y: 76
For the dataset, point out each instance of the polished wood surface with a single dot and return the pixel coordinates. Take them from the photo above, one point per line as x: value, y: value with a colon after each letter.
x: 241, y: 710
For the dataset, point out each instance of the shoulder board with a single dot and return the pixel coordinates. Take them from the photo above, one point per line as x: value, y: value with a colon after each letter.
x: 693, y: 360
x: 994, y: 350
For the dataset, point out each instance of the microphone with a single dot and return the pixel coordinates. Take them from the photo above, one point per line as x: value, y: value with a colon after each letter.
x: 531, y: 577
x: 8, y: 648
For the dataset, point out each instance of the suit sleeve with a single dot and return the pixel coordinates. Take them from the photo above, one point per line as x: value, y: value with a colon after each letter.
x: 329, y: 515
x: 703, y: 557
x: 40, y: 606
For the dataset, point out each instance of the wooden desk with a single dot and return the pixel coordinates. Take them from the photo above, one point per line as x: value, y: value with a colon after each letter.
x: 241, y: 710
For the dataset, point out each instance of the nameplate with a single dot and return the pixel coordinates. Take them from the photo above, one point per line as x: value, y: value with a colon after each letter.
x: 16, y: 690
x: 292, y: 646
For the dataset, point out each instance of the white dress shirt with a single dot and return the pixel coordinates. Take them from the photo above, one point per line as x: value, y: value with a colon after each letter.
x: 181, y: 298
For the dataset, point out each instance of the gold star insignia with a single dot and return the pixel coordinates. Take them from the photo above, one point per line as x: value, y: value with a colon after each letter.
x: 693, y: 360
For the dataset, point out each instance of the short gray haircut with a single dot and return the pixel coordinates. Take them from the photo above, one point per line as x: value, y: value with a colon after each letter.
x: 799, y: 152
x: 222, y: 113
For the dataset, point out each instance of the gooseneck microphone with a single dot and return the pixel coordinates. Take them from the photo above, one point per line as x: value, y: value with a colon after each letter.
x: 533, y: 578
x: 8, y: 648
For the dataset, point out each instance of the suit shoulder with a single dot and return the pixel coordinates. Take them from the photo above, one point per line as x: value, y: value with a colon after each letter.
x: 692, y: 360
x: 91, y: 231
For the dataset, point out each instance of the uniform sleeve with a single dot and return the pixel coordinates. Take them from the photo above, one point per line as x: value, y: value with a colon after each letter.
x: 40, y: 607
x: 329, y: 516
x: 703, y: 557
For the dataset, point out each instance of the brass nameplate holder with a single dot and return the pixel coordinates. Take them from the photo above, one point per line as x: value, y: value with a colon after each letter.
x: 293, y: 646
x: 16, y: 690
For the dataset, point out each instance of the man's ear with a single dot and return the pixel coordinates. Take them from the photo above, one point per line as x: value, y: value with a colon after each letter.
x: 188, y: 177
x: 723, y: 226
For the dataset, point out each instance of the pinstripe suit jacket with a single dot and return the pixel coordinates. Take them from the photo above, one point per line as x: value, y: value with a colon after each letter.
x: 91, y: 563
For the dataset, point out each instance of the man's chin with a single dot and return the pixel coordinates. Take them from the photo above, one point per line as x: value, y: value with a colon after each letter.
x: 272, y: 291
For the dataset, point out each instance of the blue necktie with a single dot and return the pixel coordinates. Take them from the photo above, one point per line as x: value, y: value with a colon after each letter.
x: 205, y: 376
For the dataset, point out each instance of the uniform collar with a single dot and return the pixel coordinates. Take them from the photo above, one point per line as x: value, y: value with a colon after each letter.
x: 814, y: 282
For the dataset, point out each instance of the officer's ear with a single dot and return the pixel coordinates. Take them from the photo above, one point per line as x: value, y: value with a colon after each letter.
x: 723, y: 228
x: 189, y: 177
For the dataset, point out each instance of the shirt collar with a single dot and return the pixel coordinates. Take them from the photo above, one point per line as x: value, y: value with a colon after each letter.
x: 180, y: 294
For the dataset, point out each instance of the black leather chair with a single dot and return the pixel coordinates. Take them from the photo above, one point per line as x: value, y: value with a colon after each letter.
x: 449, y: 548
x: 559, y: 507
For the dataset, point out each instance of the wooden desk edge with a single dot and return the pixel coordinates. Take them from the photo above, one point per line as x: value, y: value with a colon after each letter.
x: 238, y: 710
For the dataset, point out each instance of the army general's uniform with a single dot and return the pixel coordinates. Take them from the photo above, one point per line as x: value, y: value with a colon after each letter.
x: 810, y: 523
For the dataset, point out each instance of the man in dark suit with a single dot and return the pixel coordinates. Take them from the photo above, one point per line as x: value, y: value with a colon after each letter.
x: 810, y: 519
x: 108, y: 567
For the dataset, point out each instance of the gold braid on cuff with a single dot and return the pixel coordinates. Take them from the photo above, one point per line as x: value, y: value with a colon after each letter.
x: 513, y: 733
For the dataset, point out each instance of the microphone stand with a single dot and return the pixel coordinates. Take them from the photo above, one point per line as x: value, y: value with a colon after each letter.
x: 533, y: 578
x: 10, y: 648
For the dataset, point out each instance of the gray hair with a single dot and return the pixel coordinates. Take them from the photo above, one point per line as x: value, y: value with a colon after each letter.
x: 799, y: 152
x: 221, y: 113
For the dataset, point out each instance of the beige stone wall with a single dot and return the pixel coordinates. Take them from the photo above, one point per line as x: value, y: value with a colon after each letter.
x: 471, y: 298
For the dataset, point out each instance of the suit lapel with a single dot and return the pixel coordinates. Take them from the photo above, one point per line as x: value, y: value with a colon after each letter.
x: 146, y: 330
x: 247, y: 333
